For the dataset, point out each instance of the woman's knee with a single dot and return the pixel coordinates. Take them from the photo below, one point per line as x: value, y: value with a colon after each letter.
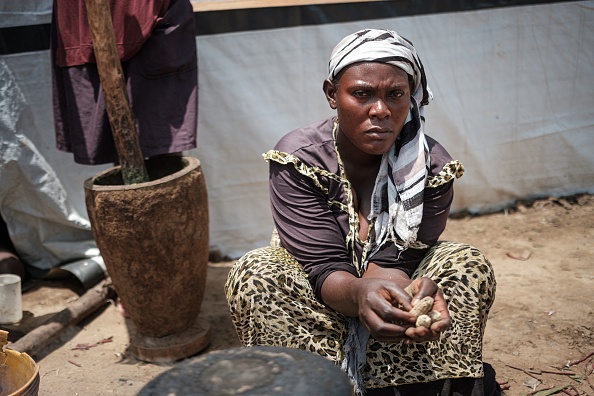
x: 450, y: 262
x: 477, y: 265
x: 265, y: 270
x: 252, y: 265
x: 462, y: 255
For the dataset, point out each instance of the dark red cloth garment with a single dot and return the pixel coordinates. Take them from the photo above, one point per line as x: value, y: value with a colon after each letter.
x: 314, y: 231
x: 133, y: 22
x: 162, y: 84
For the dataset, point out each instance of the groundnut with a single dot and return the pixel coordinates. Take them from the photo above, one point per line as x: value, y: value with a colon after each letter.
x: 422, y: 307
x: 434, y: 316
x: 424, y: 321
x: 422, y: 310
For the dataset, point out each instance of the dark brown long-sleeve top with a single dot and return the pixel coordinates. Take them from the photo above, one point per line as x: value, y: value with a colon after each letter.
x: 309, y: 206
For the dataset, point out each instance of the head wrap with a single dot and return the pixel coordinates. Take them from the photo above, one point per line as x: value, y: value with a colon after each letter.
x: 385, y: 46
x: 397, y: 199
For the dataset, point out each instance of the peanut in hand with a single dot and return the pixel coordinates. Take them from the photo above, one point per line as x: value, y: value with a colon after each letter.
x: 425, y: 316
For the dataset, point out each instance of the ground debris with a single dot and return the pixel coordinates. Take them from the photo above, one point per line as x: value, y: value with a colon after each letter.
x: 552, y: 390
x: 519, y: 255
x: 574, y: 362
x: 532, y: 383
x: 536, y: 378
x: 74, y: 363
x: 86, y: 347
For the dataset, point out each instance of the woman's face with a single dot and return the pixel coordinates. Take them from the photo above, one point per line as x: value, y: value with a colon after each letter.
x: 372, y: 101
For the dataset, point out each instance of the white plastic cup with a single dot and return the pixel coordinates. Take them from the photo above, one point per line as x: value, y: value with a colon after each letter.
x: 11, y: 303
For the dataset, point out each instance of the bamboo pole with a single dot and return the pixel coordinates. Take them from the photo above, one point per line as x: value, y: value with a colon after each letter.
x: 114, y: 90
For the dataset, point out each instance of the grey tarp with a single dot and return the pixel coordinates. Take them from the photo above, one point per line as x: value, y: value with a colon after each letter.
x: 44, y: 228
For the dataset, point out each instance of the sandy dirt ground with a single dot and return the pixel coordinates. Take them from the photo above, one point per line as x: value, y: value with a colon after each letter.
x: 542, y: 321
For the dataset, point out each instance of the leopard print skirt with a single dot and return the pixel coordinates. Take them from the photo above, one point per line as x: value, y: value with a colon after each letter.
x: 272, y: 303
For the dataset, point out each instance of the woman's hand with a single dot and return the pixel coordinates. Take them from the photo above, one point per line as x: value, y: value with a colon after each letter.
x: 380, y: 301
x: 383, y: 309
x: 420, y: 288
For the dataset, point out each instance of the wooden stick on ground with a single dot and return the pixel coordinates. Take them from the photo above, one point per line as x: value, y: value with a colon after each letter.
x: 34, y: 341
x: 574, y: 362
x: 528, y: 373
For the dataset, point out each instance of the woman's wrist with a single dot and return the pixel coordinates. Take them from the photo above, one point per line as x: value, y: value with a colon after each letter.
x: 396, y: 275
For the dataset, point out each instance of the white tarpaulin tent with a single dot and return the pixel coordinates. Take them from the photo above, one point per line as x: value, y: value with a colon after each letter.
x: 513, y: 87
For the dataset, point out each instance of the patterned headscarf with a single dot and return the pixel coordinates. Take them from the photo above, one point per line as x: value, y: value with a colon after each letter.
x: 397, y: 200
